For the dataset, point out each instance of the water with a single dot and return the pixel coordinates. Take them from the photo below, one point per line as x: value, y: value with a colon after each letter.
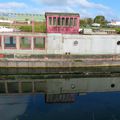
x: 92, y: 106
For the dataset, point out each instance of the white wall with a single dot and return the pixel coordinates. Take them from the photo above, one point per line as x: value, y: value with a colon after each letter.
x: 60, y: 44
x: 54, y: 44
x: 92, y: 44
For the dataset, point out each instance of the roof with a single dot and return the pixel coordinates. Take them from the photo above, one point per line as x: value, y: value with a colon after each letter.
x: 22, y: 17
x: 61, y: 14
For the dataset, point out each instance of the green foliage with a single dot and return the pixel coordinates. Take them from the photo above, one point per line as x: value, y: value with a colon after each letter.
x: 89, y: 21
x: 5, y: 24
x: 40, y: 28
x: 37, y: 28
x: 100, y: 19
x: 118, y: 30
x: 86, y: 22
x: 26, y: 28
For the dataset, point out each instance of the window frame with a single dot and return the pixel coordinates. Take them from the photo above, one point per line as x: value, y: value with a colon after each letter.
x: 55, y: 22
x: 44, y: 42
x: 59, y: 21
x: 10, y: 47
x: 75, y: 22
x: 67, y: 21
x: 71, y: 22
x: 63, y: 21
x: 50, y: 22
x: 30, y: 48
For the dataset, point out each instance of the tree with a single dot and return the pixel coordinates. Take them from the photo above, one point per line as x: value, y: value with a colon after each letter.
x: 82, y: 22
x: 86, y: 22
x: 89, y: 21
x: 100, y: 19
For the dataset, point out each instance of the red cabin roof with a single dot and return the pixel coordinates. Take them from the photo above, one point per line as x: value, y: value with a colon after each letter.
x: 61, y: 14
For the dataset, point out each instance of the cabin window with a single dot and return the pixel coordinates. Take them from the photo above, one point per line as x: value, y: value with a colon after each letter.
x: 71, y: 21
x: 54, y: 21
x: 39, y: 42
x: 75, y: 21
x: 25, y: 42
x: 63, y: 21
x: 10, y: 42
x: 50, y: 20
x: 58, y: 20
x: 67, y: 21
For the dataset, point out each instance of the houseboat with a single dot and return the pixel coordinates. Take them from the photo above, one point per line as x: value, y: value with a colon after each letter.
x: 62, y: 36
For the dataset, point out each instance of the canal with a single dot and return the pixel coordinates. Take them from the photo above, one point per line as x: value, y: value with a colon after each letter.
x: 93, y: 106
x: 78, y: 98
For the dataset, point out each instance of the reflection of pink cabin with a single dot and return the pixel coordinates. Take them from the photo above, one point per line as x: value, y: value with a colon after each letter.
x: 66, y: 23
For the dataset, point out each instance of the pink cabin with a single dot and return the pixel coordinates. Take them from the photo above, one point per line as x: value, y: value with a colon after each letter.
x: 66, y: 23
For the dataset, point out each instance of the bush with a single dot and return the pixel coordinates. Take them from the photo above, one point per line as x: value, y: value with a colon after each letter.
x: 40, y: 28
x: 37, y: 28
x: 118, y: 30
x: 26, y: 28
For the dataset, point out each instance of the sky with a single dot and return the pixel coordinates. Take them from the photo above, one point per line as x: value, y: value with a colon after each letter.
x: 86, y: 8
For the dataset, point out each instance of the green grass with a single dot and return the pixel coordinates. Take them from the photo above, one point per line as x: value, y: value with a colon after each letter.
x: 118, y: 30
x: 37, y: 28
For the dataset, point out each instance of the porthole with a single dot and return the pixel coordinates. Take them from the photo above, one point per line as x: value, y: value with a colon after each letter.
x: 118, y: 42
x: 112, y: 85
x: 75, y: 43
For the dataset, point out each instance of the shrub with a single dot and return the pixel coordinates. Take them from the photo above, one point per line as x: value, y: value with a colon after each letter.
x: 118, y: 30
x: 37, y: 28
x: 26, y: 28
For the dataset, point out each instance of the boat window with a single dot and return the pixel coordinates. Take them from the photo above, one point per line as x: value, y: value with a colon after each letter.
x: 58, y: 20
x: 54, y: 21
x: 63, y: 21
x: 50, y: 20
x: 25, y: 42
x: 75, y: 21
x: 39, y: 42
x: 71, y: 21
x: 10, y: 42
x: 67, y: 21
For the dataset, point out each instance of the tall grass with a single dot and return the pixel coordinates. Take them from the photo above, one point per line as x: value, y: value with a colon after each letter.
x: 118, y: 30
x: 38, y: 27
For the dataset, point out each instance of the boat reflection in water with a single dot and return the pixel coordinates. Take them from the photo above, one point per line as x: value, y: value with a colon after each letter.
x: 74, y: 99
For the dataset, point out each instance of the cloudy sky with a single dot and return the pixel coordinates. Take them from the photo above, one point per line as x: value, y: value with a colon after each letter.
x: 86, y: 8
